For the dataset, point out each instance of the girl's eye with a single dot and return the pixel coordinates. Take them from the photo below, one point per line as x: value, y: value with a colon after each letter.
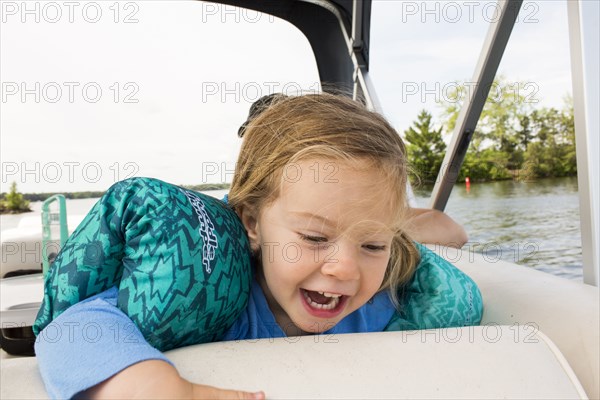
x: 372, y: 247
x: 313, y: 239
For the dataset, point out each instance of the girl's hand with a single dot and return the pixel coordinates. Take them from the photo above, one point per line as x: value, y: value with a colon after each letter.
x: 211, y: 392
x: 154, y: 379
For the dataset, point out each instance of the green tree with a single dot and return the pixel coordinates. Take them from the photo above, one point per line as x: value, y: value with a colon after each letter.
x: 502, y: 125
x: 425, y: 148
x: 14, y: 201
x: 483, y: 165
x: 551, y: 152
x: 512, y: 137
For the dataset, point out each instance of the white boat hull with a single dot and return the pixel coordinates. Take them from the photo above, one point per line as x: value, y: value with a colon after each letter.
x: 22, y: 246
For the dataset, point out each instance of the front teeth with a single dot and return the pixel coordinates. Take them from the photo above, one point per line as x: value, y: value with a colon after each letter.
x: 335, y: 300
x: 327, y: 294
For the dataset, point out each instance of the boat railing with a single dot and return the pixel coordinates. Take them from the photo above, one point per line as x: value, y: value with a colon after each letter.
x: 50, y: 218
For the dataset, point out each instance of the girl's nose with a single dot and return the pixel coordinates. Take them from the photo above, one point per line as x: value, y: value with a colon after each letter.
x: 342, y: 263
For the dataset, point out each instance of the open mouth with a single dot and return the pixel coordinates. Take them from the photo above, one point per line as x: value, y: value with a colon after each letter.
x: 323, y: 304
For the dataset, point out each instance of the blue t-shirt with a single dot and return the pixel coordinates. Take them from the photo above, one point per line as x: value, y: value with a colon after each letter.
x: 93, y: 340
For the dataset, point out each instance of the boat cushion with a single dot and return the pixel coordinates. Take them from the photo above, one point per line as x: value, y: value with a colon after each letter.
x: 484, y: 362
x: 181, y: 260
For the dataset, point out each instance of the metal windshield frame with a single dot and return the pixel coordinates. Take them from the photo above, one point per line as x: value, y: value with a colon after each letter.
x: 339, y: 34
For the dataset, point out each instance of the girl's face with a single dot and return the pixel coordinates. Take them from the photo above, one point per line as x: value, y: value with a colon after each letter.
x: 325, y: 243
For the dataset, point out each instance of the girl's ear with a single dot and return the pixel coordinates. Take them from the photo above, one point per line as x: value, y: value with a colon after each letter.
x: 250, y: 222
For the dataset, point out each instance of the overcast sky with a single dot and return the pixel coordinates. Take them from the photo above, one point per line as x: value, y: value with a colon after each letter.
x: 94, y: 92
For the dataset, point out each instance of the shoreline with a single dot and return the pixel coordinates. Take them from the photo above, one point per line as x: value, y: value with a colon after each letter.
x: 97, y: 194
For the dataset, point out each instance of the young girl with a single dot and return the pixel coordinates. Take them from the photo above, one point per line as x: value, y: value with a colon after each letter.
x: 320, y: 189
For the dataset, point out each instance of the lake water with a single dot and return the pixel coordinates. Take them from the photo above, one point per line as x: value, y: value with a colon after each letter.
x: 531, y: 223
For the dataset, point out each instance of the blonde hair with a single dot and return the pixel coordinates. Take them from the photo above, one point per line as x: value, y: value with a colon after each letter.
x: 330, y: 127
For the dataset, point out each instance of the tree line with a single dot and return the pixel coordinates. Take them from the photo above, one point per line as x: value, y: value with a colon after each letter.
x: 15, y: 202
x: 513, y: 140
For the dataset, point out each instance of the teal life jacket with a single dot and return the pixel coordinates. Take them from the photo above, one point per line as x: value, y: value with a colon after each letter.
x: 180, y: 259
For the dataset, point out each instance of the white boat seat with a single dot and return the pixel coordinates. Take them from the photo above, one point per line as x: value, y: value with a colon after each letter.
x: 444, y: 363
x: 567, y: 312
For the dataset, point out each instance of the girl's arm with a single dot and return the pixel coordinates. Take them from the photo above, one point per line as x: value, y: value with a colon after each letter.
x: 435, y: 227
x: 88, y: 343
x: 93, y: 350
x: 156, y: 379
